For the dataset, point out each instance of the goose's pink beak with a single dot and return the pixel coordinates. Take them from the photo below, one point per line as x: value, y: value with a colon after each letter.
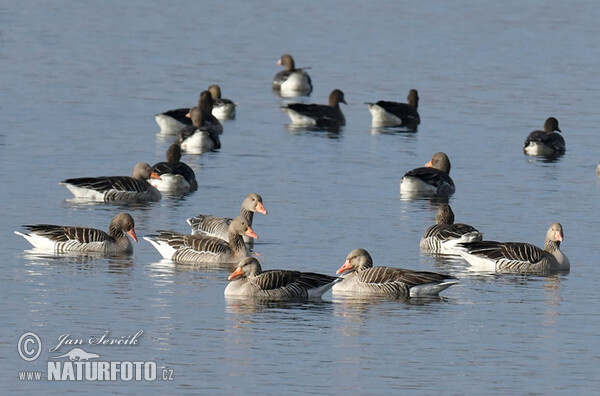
x: 249, y: 232
x: 260, y: 208
x: 235, y: 274
x: 347, y: 266
x: 132, y: 235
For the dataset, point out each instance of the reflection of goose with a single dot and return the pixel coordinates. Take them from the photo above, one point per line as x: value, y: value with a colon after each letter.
x: 329, y: 115
x: 204, y: 249
x: 433, y: 178
x: 386, y: 113
x: 518, y: 256
x: 249, y: 280
x: 117, y: 188
x: 362, y: 279
x: 174, y: 174
x: 291, y: 81
x: 445, y: 234
x: 218, y: 226
x: 546, y: 142
x: 223, y: 109
x: 62, y: 239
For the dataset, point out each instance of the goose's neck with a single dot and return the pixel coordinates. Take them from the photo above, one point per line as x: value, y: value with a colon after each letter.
x: 248, y: 215
x: 115, y: 232
x: 551, y: 246
x: 237, y: 245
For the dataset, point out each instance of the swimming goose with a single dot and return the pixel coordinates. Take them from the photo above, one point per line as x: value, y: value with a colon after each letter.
x: 117, y: 188
x: 433, y: 178
x: 318, y: 115
x: 361, y: 278
x: 204, y: 249
x: 445, y: 234
x: 249, y: 280
x: 62, y: 239
x: 174, y: 174
x: 223, y: 109
x: 218, y: 226
x: 173, y: 120
x: 518, y: 256
x: 206, y: 105
x: 546, y: 142
x: 199, y: 137
x: 291, y: 81
x: 386, y: 113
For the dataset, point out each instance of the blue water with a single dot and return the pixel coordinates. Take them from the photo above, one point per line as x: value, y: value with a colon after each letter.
x: 81, y: 83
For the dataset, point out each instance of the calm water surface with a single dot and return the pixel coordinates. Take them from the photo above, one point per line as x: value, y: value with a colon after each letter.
x: 82, y: 82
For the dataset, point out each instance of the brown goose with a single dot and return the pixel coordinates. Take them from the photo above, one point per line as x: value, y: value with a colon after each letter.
x: 433, y: 178
x: 174, y: 174
x: 518, y: 256
x: 445, y: 234
x: 546, y: 142
x: 204, y: 249
x: 62, y: 239
x: 385, y: 113
x: 199, y: 137
x: 362, y: 279
x: 223, y: 109
x: 249, y: 280
x: 318, y: 115
x: 291, y: 81
x: 218, y: 226
x: 117, y: 188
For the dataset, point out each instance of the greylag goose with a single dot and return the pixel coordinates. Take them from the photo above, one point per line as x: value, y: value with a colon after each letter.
x: 223, y: 109
x: 518, y: 256
x: 249, y: 280
x: 62, y: 239
x: 318, y: 115
x: 433, y: 178
x: 173, y: 120
x: 117, y: 188
x: 547, y: 142
x: 291, y: 81
x: 218, y: 227
x: 362, y: 279
x: 198, y: 137
x: 445, y: 234
x: 206, y: 105
x: 174, y: 174
x: 386, y: 113
x: 204, y: 249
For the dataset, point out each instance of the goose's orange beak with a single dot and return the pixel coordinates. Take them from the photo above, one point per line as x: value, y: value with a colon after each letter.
x: 429, y: 165
x: 132, y: 235
x: 154, y: 175
x: 235, y: 274
x: 249, y: 232
x: 347, y: 266
x: 260, y: 208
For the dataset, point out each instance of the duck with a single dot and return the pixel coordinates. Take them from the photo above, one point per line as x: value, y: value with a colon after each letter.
x: 175, y: 176
x: 61, y: 239
x: 518, y: 257
x: 386, y: 113
x: 360, y: 278
x: 445, y: 234
x: 134, y: 188
x: 433, y: 178
x: 223, y: 109
x: 318, y: 115
x: 248, y: 280
x: 218, y: 227
x: 190, y: 249
x: 547, y: 142
x: 291, y: 81
x: 199, y: 137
